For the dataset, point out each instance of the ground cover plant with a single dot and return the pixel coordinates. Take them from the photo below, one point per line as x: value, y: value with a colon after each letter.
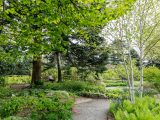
x: 145, y: 108
x: 81, y: 88
x: 35, y: 104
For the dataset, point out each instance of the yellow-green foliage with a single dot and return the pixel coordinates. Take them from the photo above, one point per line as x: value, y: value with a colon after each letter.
x: 49, y: 72
x: 74, y: 73
x: 120, y: 70
x: 152, y: 74
x: 143, y: 109
x: 17, y: 79
x: 110, y: 75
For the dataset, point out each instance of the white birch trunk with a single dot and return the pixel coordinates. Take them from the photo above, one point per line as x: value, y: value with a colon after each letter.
x: 128, y: 79
x: 141, y: 73
x: 132, y: 78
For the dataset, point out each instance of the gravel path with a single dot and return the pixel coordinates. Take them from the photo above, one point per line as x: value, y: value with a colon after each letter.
x: 91, y: 109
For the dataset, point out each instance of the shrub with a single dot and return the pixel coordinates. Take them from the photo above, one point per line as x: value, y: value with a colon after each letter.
x: 110, y: 75
x: 72, y: 86
x: 77, y: 87
x: 17, y: 79
x: 117, y: 94
x: 120, y: 70
x: 49, y: 72
x: 2, y: 81
x: 143, y: 109
x: 39, y: 82
x: 152, y: 74
x: 109, y: 83
x: 73, y: 71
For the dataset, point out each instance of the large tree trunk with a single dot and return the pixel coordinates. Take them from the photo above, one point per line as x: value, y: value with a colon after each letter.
x: 36, y: 70
x: 59, y: 67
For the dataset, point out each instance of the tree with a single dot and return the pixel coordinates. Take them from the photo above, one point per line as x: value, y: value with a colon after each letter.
x: 93, y: 55
x: 147, y: 21
x: 39, y: 24
x: 139, y: 30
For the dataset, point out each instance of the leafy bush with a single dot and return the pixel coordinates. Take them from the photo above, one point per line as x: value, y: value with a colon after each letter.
x: 110, y: 83
x: 73, y: 71
x: 44, y: 93
x: 49, y: 72
x: 110, y: 75
x: 120, y: 70
x: 17, y: 79
x: 2, y: 81
x: 77, y: 87
x: 91, y: 77
x: 143, y: 109
x: 152, y: 74
x: 117, y: 94
x: 39, y: 82
x: 150, y: 92
x: 67, y: 85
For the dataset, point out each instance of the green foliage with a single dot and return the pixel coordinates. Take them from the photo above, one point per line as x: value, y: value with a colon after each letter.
x: 92, y: 77
x: 57, y: 17
x: 73, y: 72
x: 110, y: 74
x: 38, y: 104
x: 5, y: 92
x: 149, y: 92
x: 110, y: 83
x: 152, y: 74
x: 117, y: 94
x: 2, y: 81
x: 120, y: 69
x: 143, y: 109
x: 38, y: 82
x: 77, y: 87
x: 17, y: 79
x: 16, y: 118
x: 67, y: 85
x: 15, y: 66
x: 49, y: 72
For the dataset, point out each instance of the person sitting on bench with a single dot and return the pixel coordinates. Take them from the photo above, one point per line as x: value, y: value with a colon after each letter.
x: 51, y: 78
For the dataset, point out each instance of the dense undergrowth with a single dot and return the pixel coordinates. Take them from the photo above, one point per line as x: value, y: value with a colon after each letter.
x: 79, y: 88
x: 87, y: 89
x: 146, y: 108
x: 35, y: 104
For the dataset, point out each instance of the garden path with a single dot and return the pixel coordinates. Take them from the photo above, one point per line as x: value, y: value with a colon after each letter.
x: 90, y: 109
